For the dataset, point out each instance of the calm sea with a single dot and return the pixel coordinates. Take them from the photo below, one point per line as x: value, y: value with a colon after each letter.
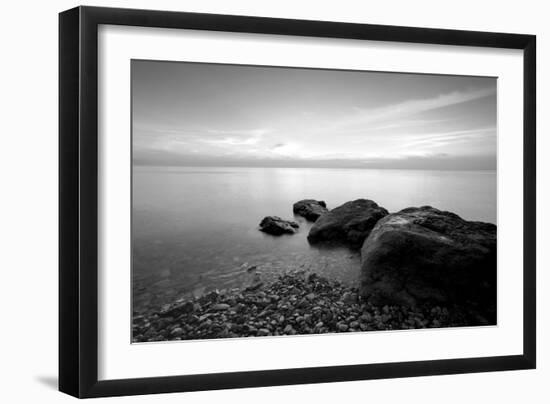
x: 195, y: 229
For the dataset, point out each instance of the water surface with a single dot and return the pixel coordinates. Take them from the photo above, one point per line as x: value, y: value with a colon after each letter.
x: 195, y: 229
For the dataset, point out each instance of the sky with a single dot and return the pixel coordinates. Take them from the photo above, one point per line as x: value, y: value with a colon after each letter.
x: 195, y: 114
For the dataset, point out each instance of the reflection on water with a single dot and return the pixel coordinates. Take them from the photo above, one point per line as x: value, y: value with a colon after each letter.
x: 195, y: 229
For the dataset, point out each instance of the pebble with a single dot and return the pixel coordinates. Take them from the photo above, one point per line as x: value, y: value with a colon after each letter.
x: 262, y: 332
x: 221, y: 306
x: 366, y: 317
x: 176, y: 332
x: 349, y: 298
x: 342, y: 327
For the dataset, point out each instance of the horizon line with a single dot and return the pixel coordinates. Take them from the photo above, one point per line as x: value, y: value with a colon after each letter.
x: 311, y: 167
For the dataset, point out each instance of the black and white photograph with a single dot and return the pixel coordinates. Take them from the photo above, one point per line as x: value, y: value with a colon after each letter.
x: 279, y: 201
x: 275, y: 202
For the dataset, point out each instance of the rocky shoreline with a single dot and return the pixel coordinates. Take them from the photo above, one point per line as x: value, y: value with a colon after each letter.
x: 296, y: 303
x: 420, y: 268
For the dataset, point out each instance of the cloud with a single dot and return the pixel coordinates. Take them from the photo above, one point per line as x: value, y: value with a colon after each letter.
x: 233, y: 141
x: 407, y: 123
x: 166, y: 138
x: 256, y: 132
x: 416, y: 106
x: 365, y: 117
x: 390, y: 135
x: 441, y: 139
x: 293, y: 150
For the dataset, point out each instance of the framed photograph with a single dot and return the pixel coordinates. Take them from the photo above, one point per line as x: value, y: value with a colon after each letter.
x: 250, y: 201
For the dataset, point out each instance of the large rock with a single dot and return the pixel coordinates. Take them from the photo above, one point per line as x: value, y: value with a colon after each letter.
x: 310, y: 209
x: 349, y: 224
x: 276, y: 226
x: 424, y: 255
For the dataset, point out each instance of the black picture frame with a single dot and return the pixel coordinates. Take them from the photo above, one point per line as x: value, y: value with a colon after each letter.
x: 78, y: 200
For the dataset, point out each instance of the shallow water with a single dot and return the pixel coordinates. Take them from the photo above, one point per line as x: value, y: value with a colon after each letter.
x: 195, y: 229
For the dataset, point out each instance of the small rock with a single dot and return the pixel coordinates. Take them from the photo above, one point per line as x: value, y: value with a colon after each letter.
x: 138, y: 319
x: 211, y: 296
x: 366, y: 317
x: 342, y: 327
x: 220, y: 306
x: 288, y: 329
x: 301, y: 304
x: 310, y: 209
x: 176, y: 332
x: 177, y: 310
x: 262, y: 332
x: 312, y: 277
x: 276, y: 226
x: 349, y: 298
x: 254, y: 287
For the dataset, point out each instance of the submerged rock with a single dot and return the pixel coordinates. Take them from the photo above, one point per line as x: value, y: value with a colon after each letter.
x: 424, y: 255
x: 177, y: 309
x: 349, y: 224
x: 310, y: 209
x: 276, y: 226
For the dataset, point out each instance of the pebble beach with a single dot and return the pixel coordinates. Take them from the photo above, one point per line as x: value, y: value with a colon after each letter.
x: 295, y: 303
